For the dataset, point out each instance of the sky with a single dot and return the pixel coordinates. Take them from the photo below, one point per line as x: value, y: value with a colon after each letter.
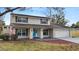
x: 71, y: 14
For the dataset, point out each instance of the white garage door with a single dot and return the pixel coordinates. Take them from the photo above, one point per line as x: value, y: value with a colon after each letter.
x: 59, y: 33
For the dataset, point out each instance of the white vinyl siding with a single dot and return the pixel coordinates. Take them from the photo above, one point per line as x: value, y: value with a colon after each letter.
x: 21, y: 19
x: 34, y: 20
x: 28, y: 20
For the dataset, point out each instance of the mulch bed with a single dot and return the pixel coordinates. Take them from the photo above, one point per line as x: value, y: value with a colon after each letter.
x: 58, y: 41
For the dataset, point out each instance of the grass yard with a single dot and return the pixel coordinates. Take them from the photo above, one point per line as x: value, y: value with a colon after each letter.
x: 30, y: 45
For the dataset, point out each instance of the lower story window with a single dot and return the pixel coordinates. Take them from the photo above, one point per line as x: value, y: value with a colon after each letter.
x: 45, y: 32
x: 22, y: 32
x: 18, y: 32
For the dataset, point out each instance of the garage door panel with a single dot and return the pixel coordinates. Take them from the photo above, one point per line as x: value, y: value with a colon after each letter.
x: 60, y: 33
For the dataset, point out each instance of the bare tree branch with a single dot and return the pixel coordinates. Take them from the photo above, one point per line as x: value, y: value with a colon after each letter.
x: 9, y: 10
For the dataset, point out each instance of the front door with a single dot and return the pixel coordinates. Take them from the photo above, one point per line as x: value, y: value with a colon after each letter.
x: 34, y: 33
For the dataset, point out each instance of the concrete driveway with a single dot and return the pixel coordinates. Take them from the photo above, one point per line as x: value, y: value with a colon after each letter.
x: 75, y: 40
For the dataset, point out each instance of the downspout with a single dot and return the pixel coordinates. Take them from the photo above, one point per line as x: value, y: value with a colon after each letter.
x: 69, y: 32
x: 52, y: 33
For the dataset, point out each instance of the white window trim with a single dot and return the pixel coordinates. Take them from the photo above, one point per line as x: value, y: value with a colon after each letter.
x: 25, y: 18
x: 21, y: 33
x: 43, y: 20
x: 46, y: 35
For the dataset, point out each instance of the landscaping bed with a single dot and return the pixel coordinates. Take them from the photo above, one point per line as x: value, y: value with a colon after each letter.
x: 58, y: 41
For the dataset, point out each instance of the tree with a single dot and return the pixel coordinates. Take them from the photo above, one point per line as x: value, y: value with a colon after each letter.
x: 57, y: 15
x: 75, y: 25
x: 8, y: 9
x: 11, y: 9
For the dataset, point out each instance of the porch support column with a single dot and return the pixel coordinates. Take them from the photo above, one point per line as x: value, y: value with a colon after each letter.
x: 31, y: 31
x: 14, y: 31
x: 41, y: 33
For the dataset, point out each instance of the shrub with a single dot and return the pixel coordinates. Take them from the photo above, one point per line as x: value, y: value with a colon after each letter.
x: 14, y: 37
x: 5, y: 37
x: 1, y: 36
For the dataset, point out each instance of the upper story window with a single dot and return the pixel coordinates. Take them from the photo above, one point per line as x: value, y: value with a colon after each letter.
x: 5, y: 27
x: 44, y: 21
x: 21, y: 19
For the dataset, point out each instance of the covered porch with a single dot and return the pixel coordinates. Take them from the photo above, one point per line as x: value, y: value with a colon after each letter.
x: 33, y: 31
x: 40, y: 33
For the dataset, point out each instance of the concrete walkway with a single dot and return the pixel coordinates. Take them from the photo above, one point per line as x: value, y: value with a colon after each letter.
x: 75, y: 40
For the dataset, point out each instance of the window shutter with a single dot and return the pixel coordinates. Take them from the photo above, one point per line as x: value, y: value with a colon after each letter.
x: 26, y: 19
x: 16, y: 18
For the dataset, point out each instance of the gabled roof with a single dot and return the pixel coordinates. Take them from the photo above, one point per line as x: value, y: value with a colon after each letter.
x: 58, y: 26
x: 29, y: 15
x: 32, y: 25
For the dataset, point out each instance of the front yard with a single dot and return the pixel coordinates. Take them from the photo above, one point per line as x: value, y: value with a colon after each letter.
x: 31, y: 45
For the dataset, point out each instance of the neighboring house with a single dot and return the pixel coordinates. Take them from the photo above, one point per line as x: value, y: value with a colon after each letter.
x: 8, y: 29
x: 27, y: 26
x: 5, y: 30
x: 1, y: 26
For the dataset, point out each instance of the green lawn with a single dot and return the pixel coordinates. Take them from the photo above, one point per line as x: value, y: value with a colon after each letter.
x: 30, y: 45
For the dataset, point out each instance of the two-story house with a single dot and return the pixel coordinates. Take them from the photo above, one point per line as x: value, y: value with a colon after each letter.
x: 28, y: 26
